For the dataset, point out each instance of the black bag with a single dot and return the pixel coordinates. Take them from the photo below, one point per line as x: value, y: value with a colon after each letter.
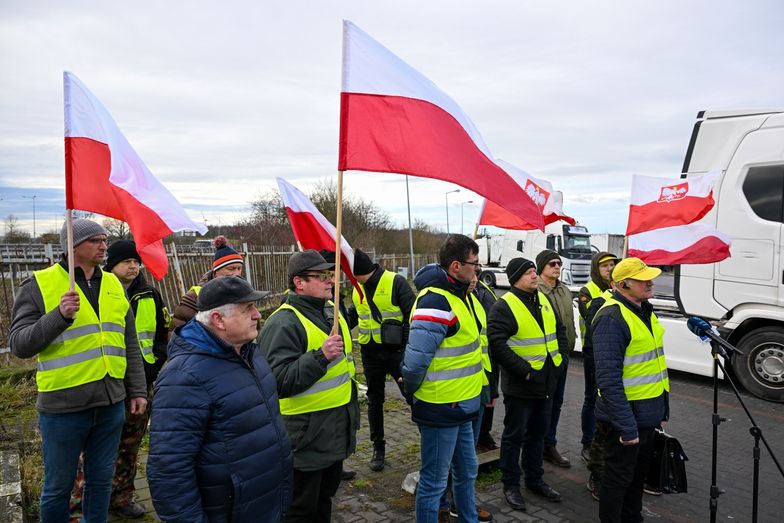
x: 391, y: 330
x: 667, y: 471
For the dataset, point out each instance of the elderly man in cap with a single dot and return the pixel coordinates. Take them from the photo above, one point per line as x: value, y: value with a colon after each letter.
x: 631, y: 374
x: 89, y: 362
x: 527, y: 338
x: 314, y: 368
x: 218, y: 447
x: 383, y: 328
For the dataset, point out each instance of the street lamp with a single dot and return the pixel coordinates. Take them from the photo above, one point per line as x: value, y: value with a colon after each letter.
x: 446, y: 196
x: 461, y: 214
x: 32, y: 198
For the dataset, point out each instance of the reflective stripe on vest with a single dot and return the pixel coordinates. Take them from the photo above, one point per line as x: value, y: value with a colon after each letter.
x: 644, y: 365
x: 145, y: 327
x: 529, y: 342
x: 382, y: 297
x: 196, y: 289
x: 89, y: 348
x: 333, y: 389
x: 455, y: 372
x: 594, y: 291
x: 481, y: 315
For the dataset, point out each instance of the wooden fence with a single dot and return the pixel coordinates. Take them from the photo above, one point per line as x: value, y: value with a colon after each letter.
x: 265, y: 268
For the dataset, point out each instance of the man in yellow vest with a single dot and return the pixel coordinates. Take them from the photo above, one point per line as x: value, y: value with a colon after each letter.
x: 152, y: 329
x: 383, y: 317
x: 631, y: 373
x: 443, y: 376
x: 314, y: 370
x: 527, y: 339
x: 89, y: 362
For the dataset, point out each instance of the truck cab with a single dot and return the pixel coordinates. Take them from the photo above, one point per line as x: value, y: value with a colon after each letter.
x: 744, y: 294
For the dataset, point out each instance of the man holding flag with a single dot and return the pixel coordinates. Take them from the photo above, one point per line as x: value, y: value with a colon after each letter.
x: 89, y: 361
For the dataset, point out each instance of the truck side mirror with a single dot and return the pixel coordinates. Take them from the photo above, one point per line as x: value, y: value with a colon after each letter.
x: 520, y: 245
x: 550, y: 242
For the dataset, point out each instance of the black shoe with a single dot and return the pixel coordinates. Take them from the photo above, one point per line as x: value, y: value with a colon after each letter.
x: 593, y: 486
x: 486, y: 446
x: 514, y: 499
x: 552, y: 455
x: 347, y: 475
x: 132, y: 510
x: 377, y: 461
x: 545, y: 491
x: 586, y: 453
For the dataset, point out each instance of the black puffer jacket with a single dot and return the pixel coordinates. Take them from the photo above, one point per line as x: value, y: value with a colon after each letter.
x: 518, y: 379
x: 218, y: 448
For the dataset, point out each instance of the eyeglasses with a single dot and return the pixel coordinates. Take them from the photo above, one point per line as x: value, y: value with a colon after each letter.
x: 96, y: 241
x: 555, y: 263
x: 322, y: 276
x: 475, y: 264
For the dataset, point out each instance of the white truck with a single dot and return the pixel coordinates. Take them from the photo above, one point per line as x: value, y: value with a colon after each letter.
x: 606, y: 242
x: 572, y: 242
x: 744, y: 294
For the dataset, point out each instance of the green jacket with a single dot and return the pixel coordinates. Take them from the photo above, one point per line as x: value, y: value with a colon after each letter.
x: 561, y: 298
x: 321, y: 438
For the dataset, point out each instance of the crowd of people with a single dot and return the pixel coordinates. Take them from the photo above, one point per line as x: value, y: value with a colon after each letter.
x: 254, y: 425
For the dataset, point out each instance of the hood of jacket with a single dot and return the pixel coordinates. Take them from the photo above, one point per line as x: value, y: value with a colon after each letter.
x: 595, y: 276
x: 433, y: 275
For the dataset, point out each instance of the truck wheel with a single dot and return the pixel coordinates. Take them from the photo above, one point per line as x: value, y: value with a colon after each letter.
x: 761, y: 367
x: 488, y: 278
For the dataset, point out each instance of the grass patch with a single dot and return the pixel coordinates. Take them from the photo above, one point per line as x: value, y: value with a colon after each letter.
x: 31, y: 467
x: 362, y: 484
x: 488, y: 479
x: 391, y: 405
x: 404, y: 502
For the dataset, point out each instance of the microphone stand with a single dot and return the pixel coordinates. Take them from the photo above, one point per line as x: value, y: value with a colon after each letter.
x: 718, y: 351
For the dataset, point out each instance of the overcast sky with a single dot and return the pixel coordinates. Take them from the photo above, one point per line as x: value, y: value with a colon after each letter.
x: 219, y: 98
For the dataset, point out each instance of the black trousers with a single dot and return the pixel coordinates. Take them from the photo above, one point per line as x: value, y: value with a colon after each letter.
x: 313, y: 493
x: 487, y: 425
x: 377, y: 362
x: 625, y: 468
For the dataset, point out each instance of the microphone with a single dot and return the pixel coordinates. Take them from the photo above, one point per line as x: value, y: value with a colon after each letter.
x: 706, y: 331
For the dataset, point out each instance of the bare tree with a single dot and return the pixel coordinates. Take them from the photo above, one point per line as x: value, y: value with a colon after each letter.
x: 117, y: 229
x: 13, y: 232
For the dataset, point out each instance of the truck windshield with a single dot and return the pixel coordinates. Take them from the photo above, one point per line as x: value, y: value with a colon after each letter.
x: 575, y: 244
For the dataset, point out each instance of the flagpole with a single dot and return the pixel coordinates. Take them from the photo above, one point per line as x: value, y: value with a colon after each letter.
x: 410, y: 234
x: 69, y: 244
x: 338, y: 256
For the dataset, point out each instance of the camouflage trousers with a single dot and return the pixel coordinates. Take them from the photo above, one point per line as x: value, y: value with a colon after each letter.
x: 125, y: 469
x: 596, y: 457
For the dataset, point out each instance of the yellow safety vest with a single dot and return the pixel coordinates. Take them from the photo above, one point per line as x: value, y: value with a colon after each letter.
x: 594, y: 292
x: 481, y: 315
x: 90, y: 348
x: 333, y: 389
x: 369, y: 327
x: 196, y: 289
x: 145, y: 327
x: 455, y: 372
x: 644, y: 366
x: 530, y: 342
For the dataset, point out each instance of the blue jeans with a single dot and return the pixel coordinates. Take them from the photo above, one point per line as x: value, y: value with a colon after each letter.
x: 587, y: 415
x: 558, y: 396
x: 96, y: 433
x: 442, y: 447
x: 525, y: 424
x: 476, y: 426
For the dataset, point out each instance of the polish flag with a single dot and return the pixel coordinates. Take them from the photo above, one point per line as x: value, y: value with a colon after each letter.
x: 540, y: 191
x: 666, y: 202
x: 692, y: 243
x: 103, y: 174
x: 313, y: 231
x: 394, y: 120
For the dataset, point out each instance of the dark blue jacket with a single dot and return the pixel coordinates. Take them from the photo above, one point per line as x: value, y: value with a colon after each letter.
x: 611, y: 336
x: 218, y: 448
x: 426, y: 334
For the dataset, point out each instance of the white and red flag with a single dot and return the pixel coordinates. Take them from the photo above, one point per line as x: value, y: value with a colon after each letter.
x: 393, y: 119
x: 103, y: 174
x: 540, y: 191
x: 663, y: 215
x: 664, y: 202
x: 682, y: 244
x: 313, y: 231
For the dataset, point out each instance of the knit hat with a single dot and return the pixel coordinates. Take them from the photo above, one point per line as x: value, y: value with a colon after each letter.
x: 362, y: 263
x: 516, y: 268
x: 224, y: 254
x: 309, y: 260
x: 83, y: 229
x: 543, y: 257
x: 329, y: 256
x: 121, y: 250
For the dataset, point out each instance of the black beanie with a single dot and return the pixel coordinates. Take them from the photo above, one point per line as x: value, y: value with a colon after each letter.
x: 543, y: 257
x: 362, y: 263
x: 119, y: 251
x: 329, y: 256
x: 516, y: 268
x: 224, y: 254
